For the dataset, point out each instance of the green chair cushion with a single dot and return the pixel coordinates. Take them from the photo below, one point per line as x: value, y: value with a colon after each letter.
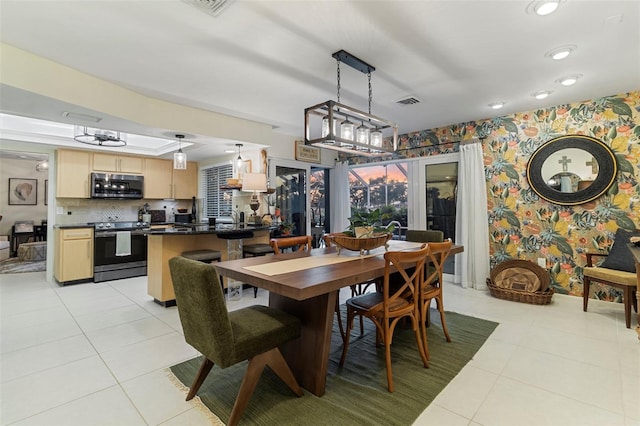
x: 422, y: 236
x: 257, y: 329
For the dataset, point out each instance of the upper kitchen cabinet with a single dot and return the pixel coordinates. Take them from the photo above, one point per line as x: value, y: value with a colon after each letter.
x: 73, y: 169
x: 157, y: 178
x: 185, y: 182
x: 117, y: 163
x: 162, y: 181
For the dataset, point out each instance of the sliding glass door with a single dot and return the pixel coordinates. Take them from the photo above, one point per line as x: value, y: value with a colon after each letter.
x: 291, y: 194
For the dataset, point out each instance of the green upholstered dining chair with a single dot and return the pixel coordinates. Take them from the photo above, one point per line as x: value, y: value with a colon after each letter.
x: 424, y: 236
x: 227, y: 338
x: 388, y: 306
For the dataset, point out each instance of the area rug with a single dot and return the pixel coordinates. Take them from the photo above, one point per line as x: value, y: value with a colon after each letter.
x: 14, y: 265
x: 356, y: 394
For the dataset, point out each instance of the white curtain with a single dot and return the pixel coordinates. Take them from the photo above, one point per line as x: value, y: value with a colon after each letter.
x: 340, y: 203
x: 472, y: 229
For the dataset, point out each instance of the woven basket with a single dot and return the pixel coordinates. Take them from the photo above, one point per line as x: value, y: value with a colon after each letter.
x: 534, y: 298
x: 360, y: 244
x: 520, y: 281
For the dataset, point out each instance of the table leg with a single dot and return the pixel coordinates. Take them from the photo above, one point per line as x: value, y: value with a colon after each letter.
x: 308, y: 356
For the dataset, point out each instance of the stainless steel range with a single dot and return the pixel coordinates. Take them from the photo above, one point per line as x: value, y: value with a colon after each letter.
x: 120, y: 250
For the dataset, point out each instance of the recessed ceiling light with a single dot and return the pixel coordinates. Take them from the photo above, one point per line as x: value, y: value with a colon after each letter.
x: 541, y: 94
x: 543, y: 7
x: 569, y: 80
x: 229, y: 151
x: 561, y: 52
x: 496, y: 105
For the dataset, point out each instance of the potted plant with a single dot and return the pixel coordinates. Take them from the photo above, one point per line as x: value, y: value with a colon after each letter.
x: 286, y: 227
x: 365, y: 232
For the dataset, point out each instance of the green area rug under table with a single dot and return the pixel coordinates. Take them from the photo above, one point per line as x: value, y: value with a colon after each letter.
x: 356, y: 394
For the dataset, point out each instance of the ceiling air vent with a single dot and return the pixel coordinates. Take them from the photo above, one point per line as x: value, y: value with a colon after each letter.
x: 408, y: 101
x: 212, y: 7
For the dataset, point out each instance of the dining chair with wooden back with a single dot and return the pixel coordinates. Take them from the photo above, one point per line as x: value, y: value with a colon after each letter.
x: 303, y: 243
x: 356, y: 289
x: 432, y: 288
x: 227, y: 338
x: 387, y: 307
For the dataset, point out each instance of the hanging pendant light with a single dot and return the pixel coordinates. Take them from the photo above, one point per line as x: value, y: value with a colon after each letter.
x: 376, y: 138
x: 239, y: 159
x: 346, y: 129
x: 362, y: 134
x: 179, y: 158
x: 367, y: 139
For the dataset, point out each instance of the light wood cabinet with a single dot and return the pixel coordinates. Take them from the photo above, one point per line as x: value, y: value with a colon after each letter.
x: 73, y: 173
x: 73, y: 254
x: 185, y: 182
x: 158, y: 178
x: 117, y: 163
x: 162, y: 181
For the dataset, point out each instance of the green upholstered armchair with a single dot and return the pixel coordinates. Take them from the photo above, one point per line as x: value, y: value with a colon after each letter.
x: 226, y: 338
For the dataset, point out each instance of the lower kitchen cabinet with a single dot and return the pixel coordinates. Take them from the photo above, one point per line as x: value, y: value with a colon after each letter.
x: 73, y: 254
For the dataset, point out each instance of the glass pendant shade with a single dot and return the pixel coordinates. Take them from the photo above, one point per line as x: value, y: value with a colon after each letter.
x: 362, y: 134
x: 346, y: 130
x: 376, y: 138
x: 179, y: 160
x: 325, y: 126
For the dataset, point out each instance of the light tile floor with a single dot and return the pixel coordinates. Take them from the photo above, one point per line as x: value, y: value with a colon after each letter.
x: 96, y: 354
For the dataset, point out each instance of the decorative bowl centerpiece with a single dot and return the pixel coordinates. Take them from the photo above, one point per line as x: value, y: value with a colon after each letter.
x: 361, y: 244
x: 364, y: 233
x: 182, y: 210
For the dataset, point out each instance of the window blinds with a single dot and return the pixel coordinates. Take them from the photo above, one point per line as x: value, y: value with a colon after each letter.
x: 217, y: 201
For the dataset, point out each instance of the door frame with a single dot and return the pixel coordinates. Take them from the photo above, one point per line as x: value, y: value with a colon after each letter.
x: 274, y: 162
x: 417, y: 195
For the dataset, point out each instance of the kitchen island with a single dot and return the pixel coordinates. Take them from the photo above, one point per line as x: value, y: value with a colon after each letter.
x: 163, y: 244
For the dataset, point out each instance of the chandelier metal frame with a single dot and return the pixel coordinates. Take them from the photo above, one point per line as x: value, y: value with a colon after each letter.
x: 336, y: 111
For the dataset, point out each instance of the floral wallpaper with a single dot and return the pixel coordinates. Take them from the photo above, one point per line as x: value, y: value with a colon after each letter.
x: 524, y: 226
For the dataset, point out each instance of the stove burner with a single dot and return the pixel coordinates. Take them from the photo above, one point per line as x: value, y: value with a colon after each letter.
x: 122, y: 226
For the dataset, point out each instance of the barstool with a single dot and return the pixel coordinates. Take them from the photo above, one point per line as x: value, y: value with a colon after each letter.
x: 204, y: 256
x: 256, y: 249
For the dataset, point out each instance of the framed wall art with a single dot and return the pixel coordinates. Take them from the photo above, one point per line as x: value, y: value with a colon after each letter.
x: 23, y: 192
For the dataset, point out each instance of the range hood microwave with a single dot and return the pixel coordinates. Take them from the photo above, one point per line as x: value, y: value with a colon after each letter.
x: 115, y: 186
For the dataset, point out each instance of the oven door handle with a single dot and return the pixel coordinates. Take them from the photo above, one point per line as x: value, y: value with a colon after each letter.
x: 113, y: 234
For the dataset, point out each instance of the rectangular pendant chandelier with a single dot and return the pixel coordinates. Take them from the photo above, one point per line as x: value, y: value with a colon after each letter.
x: 331, y: 136
x: 339, y: 127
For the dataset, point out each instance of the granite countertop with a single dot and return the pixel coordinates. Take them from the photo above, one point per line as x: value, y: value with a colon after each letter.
x: 73, y: 226
x: 186, y: 228
x: 190, y: 228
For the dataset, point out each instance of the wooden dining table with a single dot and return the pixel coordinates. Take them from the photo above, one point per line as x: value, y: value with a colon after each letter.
x: 306, y: 285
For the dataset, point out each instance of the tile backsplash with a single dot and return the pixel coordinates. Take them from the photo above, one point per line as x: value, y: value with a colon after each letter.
x: 75, y: 211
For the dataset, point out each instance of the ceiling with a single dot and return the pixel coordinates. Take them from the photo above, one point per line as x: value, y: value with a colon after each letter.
x: 268, y: 60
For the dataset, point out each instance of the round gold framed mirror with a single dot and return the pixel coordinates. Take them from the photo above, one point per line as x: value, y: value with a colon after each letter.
x: 572, y: 169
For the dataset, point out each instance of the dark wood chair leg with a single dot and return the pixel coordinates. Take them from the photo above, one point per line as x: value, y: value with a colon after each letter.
x: 204, y: 370
x: 276, y: 362
x: 628, y: 295
x: 585, y: 293
x: 249, y: 382
x: 337, y: 309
